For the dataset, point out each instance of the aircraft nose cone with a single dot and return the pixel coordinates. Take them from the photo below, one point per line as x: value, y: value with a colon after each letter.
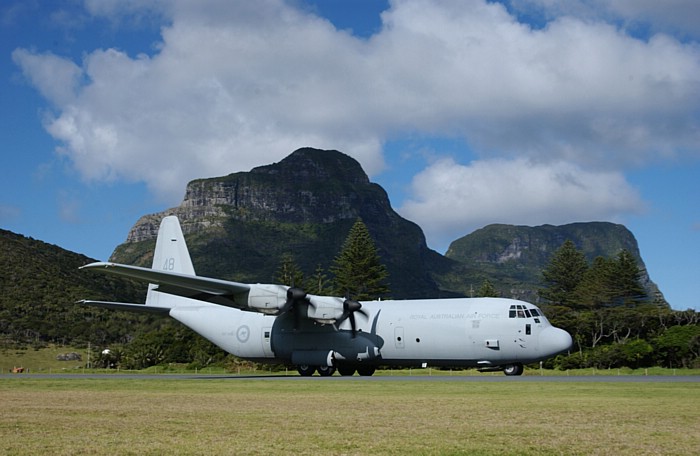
x: 554, y: 340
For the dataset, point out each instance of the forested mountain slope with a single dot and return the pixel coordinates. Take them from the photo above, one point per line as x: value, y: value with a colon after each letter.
x: 39, y: 286
x: 513, y: 257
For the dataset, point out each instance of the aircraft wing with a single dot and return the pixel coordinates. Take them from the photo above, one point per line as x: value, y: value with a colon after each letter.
x: 189, y: 286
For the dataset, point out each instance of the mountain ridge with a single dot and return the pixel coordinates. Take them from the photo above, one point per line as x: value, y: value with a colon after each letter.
x: 240, y: 225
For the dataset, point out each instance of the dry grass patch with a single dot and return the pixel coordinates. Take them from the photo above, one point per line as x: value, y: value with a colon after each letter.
x: 336, y: 416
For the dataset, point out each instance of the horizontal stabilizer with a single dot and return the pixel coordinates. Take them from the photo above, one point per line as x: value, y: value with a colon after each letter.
x: 126, y: 306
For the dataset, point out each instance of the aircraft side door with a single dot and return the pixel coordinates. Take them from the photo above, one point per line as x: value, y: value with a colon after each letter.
x: 266, y: 342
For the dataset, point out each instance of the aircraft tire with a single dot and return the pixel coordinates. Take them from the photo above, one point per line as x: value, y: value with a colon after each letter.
x: 305, y: 370
x: 513, y: 369
x: 346, y: 371
x: 325, y: 371
x: 366, y: 371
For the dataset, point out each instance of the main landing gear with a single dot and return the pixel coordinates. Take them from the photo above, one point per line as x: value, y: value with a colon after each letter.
x: 326, y: 371
x: 513, y: 369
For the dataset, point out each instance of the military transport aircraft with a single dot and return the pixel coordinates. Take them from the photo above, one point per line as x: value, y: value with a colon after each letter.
x: 280, y: 324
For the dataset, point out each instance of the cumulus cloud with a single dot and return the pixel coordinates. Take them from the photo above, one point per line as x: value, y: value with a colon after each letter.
x: 239, y: 84
x: 452, y: 200
x: 55, y: 77
x: 670, y: 16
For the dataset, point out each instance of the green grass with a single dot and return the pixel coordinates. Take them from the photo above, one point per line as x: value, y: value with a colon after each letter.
x: 258, y: 416
x: 43, y: 361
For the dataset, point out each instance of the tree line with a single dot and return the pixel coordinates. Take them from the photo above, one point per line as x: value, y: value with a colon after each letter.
x: 612, y: 319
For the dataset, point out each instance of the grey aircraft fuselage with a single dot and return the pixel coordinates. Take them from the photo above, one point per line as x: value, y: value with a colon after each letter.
x: 459, y: 332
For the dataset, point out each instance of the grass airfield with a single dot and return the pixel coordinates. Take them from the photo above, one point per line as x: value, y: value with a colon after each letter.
x: 113, y: 415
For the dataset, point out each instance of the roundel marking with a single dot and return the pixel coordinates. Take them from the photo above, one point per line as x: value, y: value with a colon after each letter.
x: 243, y: 334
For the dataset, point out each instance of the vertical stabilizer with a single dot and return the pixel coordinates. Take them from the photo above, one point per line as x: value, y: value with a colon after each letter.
x: 171, y: 250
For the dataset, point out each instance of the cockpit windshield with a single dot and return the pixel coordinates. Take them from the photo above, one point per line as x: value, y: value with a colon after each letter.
x: 523, y: 311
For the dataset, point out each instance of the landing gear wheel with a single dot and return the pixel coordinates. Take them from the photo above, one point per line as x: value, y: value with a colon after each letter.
x: 366, y: 371
x: 346, y: 371
x: 325, y: 371
x: 513, y: 369
x: 305, y: 370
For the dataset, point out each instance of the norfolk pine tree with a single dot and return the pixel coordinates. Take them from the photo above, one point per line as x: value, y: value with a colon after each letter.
x: 563, y: 274
x: 359, y: 272
x: 288, y: 272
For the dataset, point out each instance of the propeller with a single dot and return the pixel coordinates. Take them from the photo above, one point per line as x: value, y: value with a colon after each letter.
x: 295, y: 296
x: 349, y: 308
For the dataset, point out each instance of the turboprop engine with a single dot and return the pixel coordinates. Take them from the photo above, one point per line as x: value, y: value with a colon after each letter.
x: 268, y: 299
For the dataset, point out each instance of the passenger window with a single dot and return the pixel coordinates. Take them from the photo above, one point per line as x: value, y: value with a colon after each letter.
x: 528, y: 329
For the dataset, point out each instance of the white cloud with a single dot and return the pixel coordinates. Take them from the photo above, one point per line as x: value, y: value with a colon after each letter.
x: 450, y: 200
x: 668, y: 16
x: 55, y: 77
x: 235, y: 86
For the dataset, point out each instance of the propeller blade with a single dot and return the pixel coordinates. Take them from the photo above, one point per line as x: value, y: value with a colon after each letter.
x: 349, y: 309
x: 295, y: 296
x: 353, y: 325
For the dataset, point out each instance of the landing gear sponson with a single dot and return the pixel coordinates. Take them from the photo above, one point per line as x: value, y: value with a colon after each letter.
x: 367, y: 371
x: 326, y: 371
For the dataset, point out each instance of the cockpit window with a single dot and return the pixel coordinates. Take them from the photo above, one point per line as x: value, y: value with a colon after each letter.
x: 520, y: 311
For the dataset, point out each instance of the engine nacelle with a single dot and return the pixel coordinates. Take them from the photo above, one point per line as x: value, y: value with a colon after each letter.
x: 325, y: 309
x: 268, y: 299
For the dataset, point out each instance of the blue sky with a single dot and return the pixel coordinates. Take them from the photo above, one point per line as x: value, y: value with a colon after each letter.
x: 467, y: 112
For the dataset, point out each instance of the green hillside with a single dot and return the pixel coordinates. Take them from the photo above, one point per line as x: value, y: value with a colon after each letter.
x: 513, y: 257
x: 39, y: 286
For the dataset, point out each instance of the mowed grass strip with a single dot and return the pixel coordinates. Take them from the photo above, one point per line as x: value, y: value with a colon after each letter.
x: 336, y: 416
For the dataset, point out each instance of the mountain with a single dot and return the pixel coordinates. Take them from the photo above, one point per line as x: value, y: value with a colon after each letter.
x: 39, y: 286
x: 239, y: 226
x: 512, y: 257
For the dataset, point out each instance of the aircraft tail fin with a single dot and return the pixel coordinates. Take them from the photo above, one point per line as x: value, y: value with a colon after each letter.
x: 171, y: 255
x: 171, y: 249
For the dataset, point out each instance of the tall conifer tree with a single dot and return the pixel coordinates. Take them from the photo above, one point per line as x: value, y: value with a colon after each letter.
x: 563, y: 274
x: 359, y: 272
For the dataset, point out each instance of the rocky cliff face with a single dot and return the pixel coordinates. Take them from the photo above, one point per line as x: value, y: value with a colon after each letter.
x: 239, y: 226
x: 309, y: 186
